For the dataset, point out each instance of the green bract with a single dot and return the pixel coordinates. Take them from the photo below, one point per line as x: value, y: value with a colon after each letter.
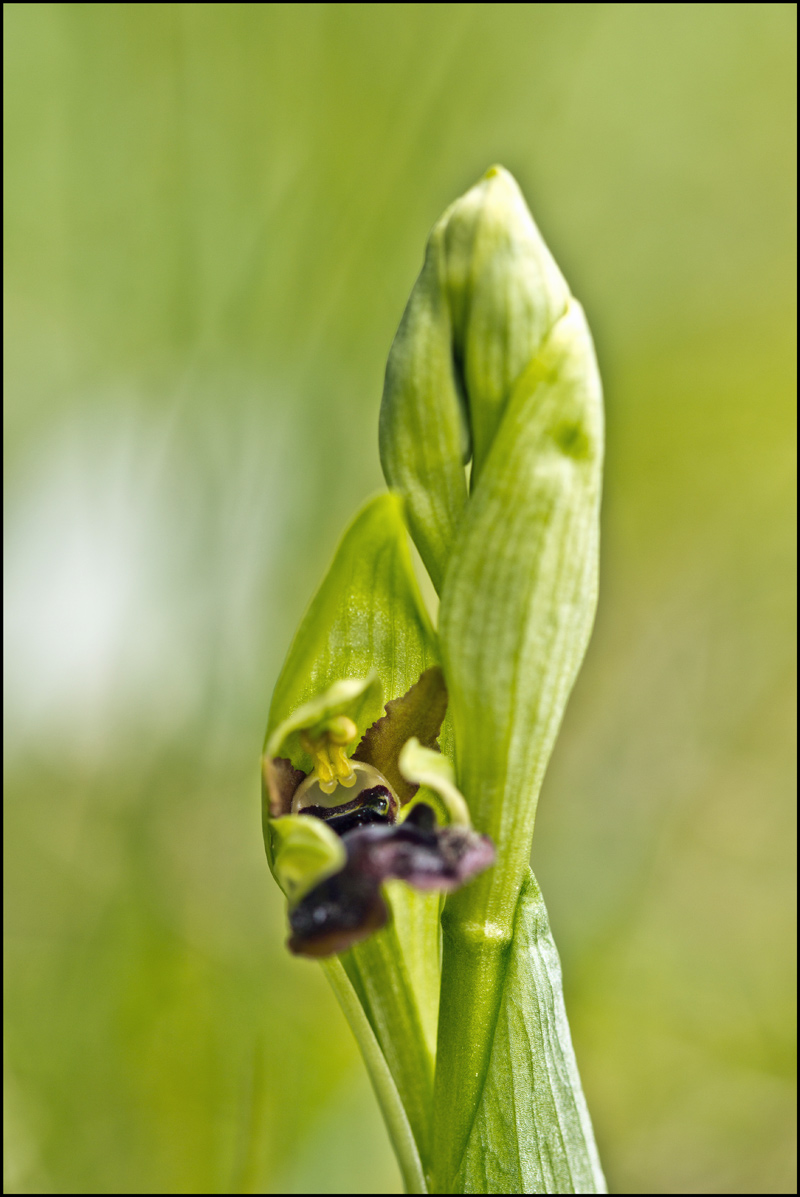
x: 456, y: 1001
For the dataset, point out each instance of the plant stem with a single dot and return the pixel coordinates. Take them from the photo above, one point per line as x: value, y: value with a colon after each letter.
x: 474, y: 960
x: 377, y: 969
x: 394, y: 1114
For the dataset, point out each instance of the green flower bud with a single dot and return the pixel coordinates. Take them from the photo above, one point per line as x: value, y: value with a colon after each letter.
x: 487, y: 297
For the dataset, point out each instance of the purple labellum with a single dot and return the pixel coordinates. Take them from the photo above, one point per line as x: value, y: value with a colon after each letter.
x: 348, y: 906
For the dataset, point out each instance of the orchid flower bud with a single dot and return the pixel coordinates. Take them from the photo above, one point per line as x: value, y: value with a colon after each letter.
x: 402, y: 765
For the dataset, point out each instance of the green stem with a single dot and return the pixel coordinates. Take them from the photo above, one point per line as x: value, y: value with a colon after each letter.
x: 378, y: 972
x: 474, y: 962
x: 383, y: 1083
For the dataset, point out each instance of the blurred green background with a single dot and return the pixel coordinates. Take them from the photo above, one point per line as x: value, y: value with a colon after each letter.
x: 214, y: 215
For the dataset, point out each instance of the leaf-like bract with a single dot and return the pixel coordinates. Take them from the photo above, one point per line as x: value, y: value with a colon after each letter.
x: 368, y: 620
x: 532, y: 1132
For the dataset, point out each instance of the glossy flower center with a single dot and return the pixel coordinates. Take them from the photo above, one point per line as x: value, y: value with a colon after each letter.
x: 314, y: 792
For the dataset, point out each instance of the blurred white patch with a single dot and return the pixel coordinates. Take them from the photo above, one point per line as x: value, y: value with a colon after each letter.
x: 81, y: 624
x: 128, y: 580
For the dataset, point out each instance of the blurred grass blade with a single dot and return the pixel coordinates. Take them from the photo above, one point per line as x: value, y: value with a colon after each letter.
x: 547, y: 1141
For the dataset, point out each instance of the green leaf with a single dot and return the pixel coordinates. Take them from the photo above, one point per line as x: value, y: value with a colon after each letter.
x: 305, y: 851
x: 543, y: 1143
